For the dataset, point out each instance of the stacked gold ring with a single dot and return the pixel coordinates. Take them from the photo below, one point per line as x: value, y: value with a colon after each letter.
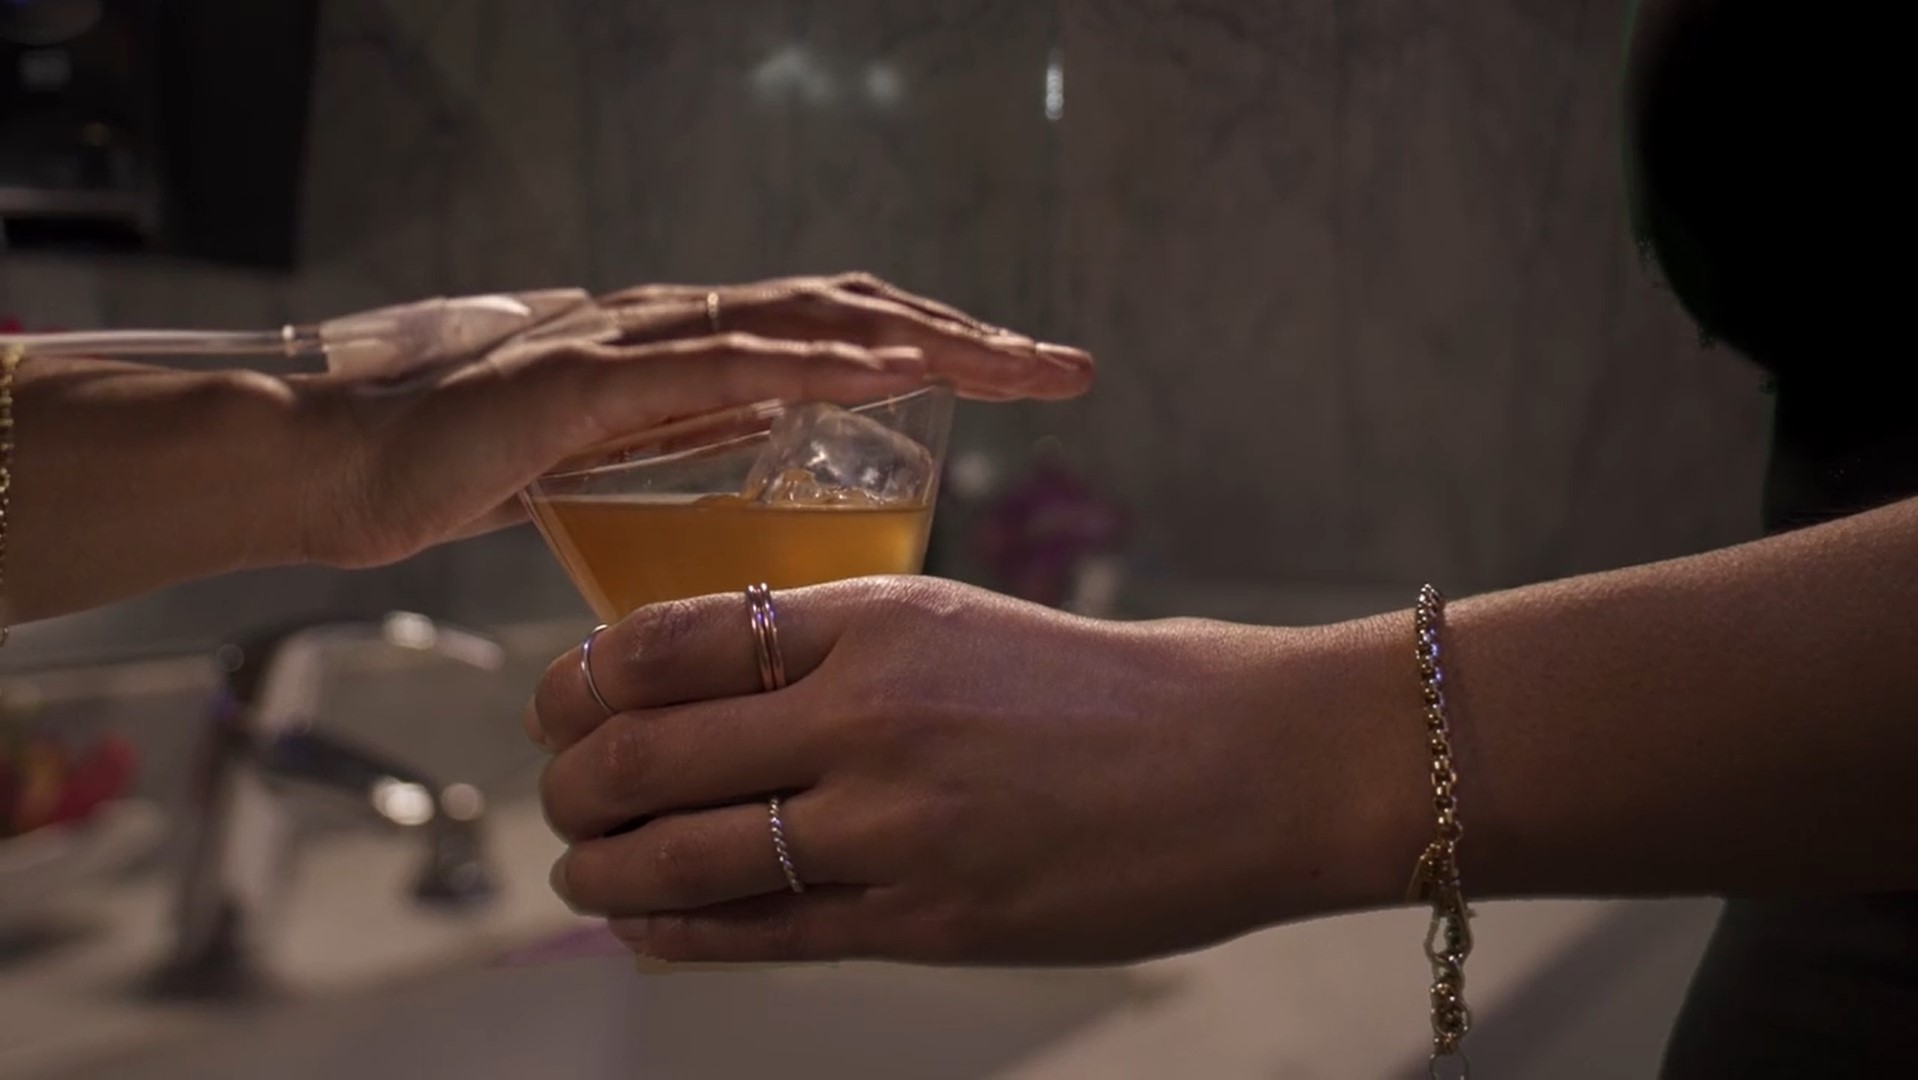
x: 765, y: 623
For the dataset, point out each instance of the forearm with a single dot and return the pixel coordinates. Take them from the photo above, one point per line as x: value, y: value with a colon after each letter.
x: 128, y: 478
x: 1741, y: 721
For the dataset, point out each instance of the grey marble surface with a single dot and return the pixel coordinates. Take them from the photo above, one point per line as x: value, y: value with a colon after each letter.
x: 1357, y: 270
x: 1361, y: 277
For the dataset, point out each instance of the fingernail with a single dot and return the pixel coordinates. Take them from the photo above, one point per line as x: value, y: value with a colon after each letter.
x: 646, y: 965
x: 635, y: 942
x: 1012, y: 341
x: 557, y: 879
x: 534, y: 731
x: 1064, y: 354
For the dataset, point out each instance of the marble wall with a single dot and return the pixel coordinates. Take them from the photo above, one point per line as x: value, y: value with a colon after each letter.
x: 1361, y: 276
x: 1357, y: 270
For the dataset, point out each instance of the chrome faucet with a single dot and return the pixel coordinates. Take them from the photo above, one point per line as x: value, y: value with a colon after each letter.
x: 264, y: 745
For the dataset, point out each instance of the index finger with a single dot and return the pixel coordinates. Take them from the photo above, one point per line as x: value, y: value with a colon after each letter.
x: 981, y: 361
x: 676, y: 653
x: 978, y: 361
x: 857, y: 281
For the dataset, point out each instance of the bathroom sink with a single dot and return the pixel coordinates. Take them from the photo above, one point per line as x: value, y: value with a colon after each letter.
x: 368, y: 985
x: 593, y: 1019
x: 373, y: 987
x: 1572, y: 991
x: 444, y: 718
x: 75, y: 984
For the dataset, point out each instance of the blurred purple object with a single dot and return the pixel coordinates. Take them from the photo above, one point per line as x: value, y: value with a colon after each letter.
x: 1035, y: 537
x: 586, y: 941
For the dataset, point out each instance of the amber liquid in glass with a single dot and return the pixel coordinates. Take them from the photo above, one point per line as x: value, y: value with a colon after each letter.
x: 625, y: 552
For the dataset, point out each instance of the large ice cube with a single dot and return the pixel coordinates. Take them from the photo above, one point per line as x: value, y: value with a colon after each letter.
x: 823, y: 455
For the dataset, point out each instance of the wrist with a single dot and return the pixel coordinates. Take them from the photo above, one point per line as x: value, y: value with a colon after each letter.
x: 129, y: 478
x: 1375, y: 664
x: 320, y: 447
x: 259, y: 450
x: 1343, y: 703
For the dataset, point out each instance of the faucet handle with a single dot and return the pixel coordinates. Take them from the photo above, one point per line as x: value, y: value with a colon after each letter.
x: 403, y: 796
x: 250, y: 659
x: 411, y: 630
x: 455, y: 874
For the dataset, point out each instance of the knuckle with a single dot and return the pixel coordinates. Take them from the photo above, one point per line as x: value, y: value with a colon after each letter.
x: 670, y: 937
x: 824, y: 300
x: 655, y: 635
x: 913, y: 603
x: 637, y: 294
x: 738, y: 341
x: 907, y: 593
x: 680, y: 871
x: 782, y: 935
x: 860, y: 280
x: 855, y: 710
x: 626, y: 757
x: 938, y: 813
x: 896, y: 831
x: 883, y: 704
x: 943, y: 933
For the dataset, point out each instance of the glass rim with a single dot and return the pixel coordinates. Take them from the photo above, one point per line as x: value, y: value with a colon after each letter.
x: 757, y: 411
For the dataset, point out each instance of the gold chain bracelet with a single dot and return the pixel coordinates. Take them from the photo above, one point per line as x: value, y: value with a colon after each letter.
x: 1436, y: 881
x: 9, y: 364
